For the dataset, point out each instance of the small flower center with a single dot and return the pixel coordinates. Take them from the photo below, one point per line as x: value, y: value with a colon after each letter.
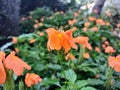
x: 115, y: 59
x: 59, y: 35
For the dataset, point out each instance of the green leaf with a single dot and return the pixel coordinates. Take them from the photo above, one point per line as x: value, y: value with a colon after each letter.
x: 88, y: 88
x: 88, y: 67
x: 95, y: 82
x: 69, y: 75
x: 49, y: 81
x: 54, y: 67
x: 39, y: 67
x: 81, y: 83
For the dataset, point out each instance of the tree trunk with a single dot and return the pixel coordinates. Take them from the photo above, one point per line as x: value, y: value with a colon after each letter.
x: 9, y: 17
x: 98, y: 6
x: 112, y: 6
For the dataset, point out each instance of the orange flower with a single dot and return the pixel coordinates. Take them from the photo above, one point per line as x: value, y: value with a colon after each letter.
x: 103, y: 38
x: 71, y: 22
x: 16, y: 50
x: 70, y: 56
x: 31, y: 79
x: 2, y: 70
x: 51, y: 17
x: 94, y: 29
x: 14, y: 40
x: 76, y: 14
x: 91, y: 19
x: 23, y: 18
x: 95, y: 11
x: 16, y: 64
x: 60, y: 39
x: 42, y: 19
x: 36, y: 21
x: 104, y: 46
x: 86, y: 55
x: 107, y: 23
x: 100, y: 21
x: 106, y: 43
x: 32, y: 41
x: 84, y: 41
x: 114, y: 62
x: 97, y: 49
x: 86, y: 24
x: 36, y: 26
x: 97, y: 76
x: 118, y: 25
x: 74, y: 29
x: 40, y: 24
x: 108, y: 14
x: 62, y: 12
x: 41, y: 33
x: 84, y: 29
x: 109, y: 49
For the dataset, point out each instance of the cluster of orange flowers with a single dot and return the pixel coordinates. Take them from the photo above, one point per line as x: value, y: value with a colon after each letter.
x: 97, y: 21
x: 17, y: 65
x: 108, y: 49
x: 58, y: 40
x: 114, y: 62
x: 71, y: 22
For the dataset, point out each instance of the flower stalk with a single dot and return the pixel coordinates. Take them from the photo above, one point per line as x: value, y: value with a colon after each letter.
x: 9, y: 84
x: 108, y: 79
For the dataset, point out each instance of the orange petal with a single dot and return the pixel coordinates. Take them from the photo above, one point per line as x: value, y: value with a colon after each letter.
x: 2, y: 70
x: 53, y: 39
x: 31, y: 79
x: 16, y: 64
x: 69, y: 37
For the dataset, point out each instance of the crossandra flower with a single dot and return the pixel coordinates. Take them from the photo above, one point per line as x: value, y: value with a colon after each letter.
x: 86, y: 55
x: 91, y: 18
x: 100, y: 21
x: 14, y: 40
x: 71, y: 22
x: 32, y: 79
x: 97, y: 49
x: 16, y: 64
x: 32, y: 41
x: 84, y: 41
x: 109, y: 49
x: 2, y: 70
x: 114, y: 62
x: 58, y: 40
x: 70, y: 56
x: 95, y: 29
x: 86, y: 24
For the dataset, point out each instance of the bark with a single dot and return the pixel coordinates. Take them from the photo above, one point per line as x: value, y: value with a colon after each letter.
x: 9, y: 17
x: 112, y: 6
x: 98, y: 6
x: 30, y: 5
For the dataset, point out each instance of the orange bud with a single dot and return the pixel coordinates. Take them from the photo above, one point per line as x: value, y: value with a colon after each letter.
x: 97, y: 49
x: 32, y: 41
x: 86, y: 55
x: 14, y: 40
x: 86, y: 24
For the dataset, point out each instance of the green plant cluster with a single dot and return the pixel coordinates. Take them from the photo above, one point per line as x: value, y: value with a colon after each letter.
x: 61, y: 74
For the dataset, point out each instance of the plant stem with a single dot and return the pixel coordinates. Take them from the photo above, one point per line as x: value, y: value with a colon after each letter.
x: 21, y: 85
x: 82, y: 51
x: 9, y: 84
x: 108, y: 79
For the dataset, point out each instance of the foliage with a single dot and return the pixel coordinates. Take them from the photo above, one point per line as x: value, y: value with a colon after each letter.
x: 57, y: 72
